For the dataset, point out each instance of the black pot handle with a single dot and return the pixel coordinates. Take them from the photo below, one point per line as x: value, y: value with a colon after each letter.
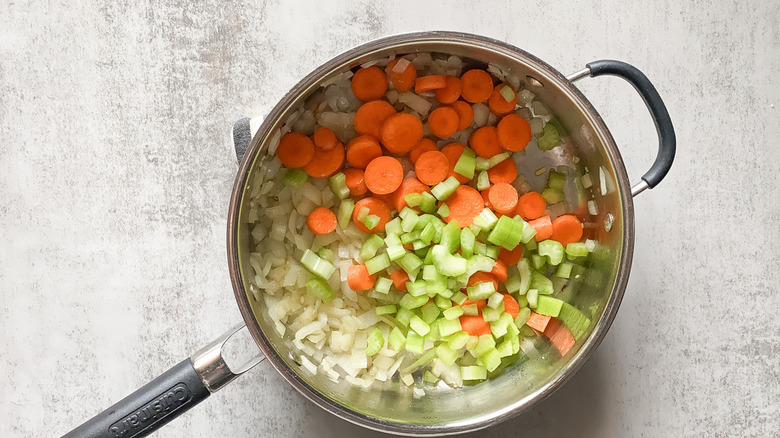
x: 663, y: 123
x: 166, y: 397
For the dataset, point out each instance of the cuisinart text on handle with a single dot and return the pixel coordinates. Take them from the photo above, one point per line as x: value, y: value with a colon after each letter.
x: 160, y: 407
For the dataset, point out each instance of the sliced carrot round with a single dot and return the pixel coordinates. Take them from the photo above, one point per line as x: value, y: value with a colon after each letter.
x: 361, y: 150
x: 514, y: 132
x: 503, y: 172
x: 423, y: 146
x: 443, y: 121
x: 399, y: 277
x: 531, y: 206
x: 450, y: 92
x: 325, y: 139
x: 484, y: 142
x: 432, y: 167
x: 428, y: 83
x: 370, y: 116
x: 358, y: 278
x: 375, y: 207
x: 355, y: 181
x: 383, y: 175
x: 401, y: 132
x: 498, y: 105
x: 500, y: 271
x: 321, y: 221
x: 325, y: 163
x: 511, y: 257
x: 465, y: 114
x: 474, y: 325
x: 566, y: 229
x: 543, y: 227
x: 465, y: 204
x: 403, y: 80
x: 503, y: 198
x: 369, y: 83
x: 409, y: 185
x: 476, y: 86
x: 482, y: 277
x: 295, y: 150
x: 453, y: 151
x: 511, y: 306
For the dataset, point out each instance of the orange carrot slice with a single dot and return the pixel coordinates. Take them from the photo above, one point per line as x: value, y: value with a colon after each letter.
x: 383, y: 175
x: 503, y: 172
x: 503, y: 198
x: 321, y: 221
x: 498, y: 105
x: 325, y: 163
x: 538, y: 322
x: 369, y: 83
x: 295, y: 150
x: 401, y: 132
x: 514, y: 132
x: 399, y: 278
x: 358, y: 278
x: 531, y: 206
x: 403, y: 80
x: 361, y: 150
x: 511, y: 306
x: 566, y: 229
x: 443, y: 121
x: 484, y: 142
x: 450, y: 92
x: 474, y: 325
x: 428, y: 83
x: 511, y: 257
x: 409, y: 185
x: 465, y: 204
x: 422, y: 147
x: 476, y: 86
x: 325, y: 139
x: 543, y: 227
x: 376, y: 207
x: 432, y: 168
x: 370, y: 117
x: 355, y: 181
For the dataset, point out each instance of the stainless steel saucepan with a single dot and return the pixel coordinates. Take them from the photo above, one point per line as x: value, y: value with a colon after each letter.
x: 441, y: 411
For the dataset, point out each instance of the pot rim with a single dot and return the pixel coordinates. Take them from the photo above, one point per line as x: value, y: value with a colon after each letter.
x: 574, y: 364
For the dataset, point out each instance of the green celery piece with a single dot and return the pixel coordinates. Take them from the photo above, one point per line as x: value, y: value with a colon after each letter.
x: 430, y: 311
x: 466, y: 164
x: 443, y: 211
x: 396, y: 339
x: 326, y: 254
x: 450, y: 236
x: 525, y: 275
x: 556, y: 180
x: 551, y: 249
x: 375, y: 342
x: 428, y: 203
x: 575, y: 321
x: 388, y: 309
x: 448, y: 264
x: 345, y: 212
x: 481, y: 164
x: 415, y: 344
x: 467, y: 240
x: 576, y: 249
x: 444, y: 189
x: 316, y: 265
x: 419, y: 325
x: 371, y: 246
x: 564, y: 270
x: 446, y: 354
x: 540, y: 282
x: 393, y: 227
x: 319, y: 289
x: 410, y: 302
x: 413, y: 199
x: 548, y: 306
x: 294, y: 178
x: 338, y: 185
x: 507, y: 233
x: 378, y: 263
x: 474, y: 372
x: 549, y: 138
x: 553, y: 196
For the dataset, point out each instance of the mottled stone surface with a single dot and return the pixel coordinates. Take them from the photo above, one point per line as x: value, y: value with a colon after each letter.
x: 116, y: 167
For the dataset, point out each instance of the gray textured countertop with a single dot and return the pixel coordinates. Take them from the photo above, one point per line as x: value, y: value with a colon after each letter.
x: 116, y: 167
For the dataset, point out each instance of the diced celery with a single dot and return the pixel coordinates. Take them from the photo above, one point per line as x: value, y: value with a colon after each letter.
x: 575, y: 320
x: 491, y: 359
x: 505, y: 348
x: 409, y: 219
x: 551, y: 249
x: 501, y: 327
x: 338, y: 185
x: 409, y: 302
x: 450, y: 236
x: 454, y: 312
x: 385, y: 310
x: 479, y: 263
x: 378, y: 263
x: 413, y: 199
x: 522, y: 316
x: 443, y: 211
x: 541, y: 283
x: 375, y: 342
x: 532, y: 297
x: 427, y: 234
x: 507, y: 233
x: 433, y: 335
x: 483, y: 181
x: 363, y: 213
x: 513, y: 284
x: 410, y: 237
x: 466, y: 164
x: 549, y: 138
x: 449, y: 326
x: 548, y: 305
x: 429, y: 312
x: 395, y: 252
x: 492, y: 251
x: 522, y: 301
x: 371, y: 246
x: 497, y: 159
x: 467, y: 240
x: 345, y: 212
x: 418, y: 245
x: 294, y: 178
x: 457, y: 340
x: 444, y: 189
x: 538, y: 261
x: 490, y: 315
x: 556, y: 180
x: 507, y: 93
x: 458, y: 298
x: 393, y: 227
x: 415, y: 343
x: 318, y: 288
x: 564, y: 270
x: 442, y: 302
x: 396, y: 339
x: 480, y: 248
x: 419, y: 326
x: 326, y: 254
x: 553, y: 196
x: 404, y: 315
x: 428, y: 203
x: 446, y: 354
x: 529, y: 232
x: 484, y: 344
x: 410, y: 263
x: 486, y: 219
x: 495, y: 300
x: 317, y: 266
x: 429, y: 377
x: 446, y: 293
x: 474, y: 372
x: 481, y: 291
x: 417, y: 288
x: 481, y: 164
x: 382, y: 285
x: 422, y: 360
x: 446, y: 263
x: 470, y: 309
x: 576, y: 249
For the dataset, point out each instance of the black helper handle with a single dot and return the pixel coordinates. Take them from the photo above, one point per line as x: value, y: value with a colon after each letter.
x: 148, y: 408
x: 663, y: 123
